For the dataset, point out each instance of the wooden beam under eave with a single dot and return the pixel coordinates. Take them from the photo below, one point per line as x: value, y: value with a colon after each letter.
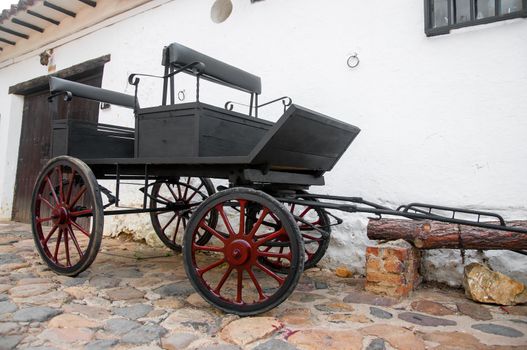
x: 7, y: 41
x: 89, y: 2
x: 45, y: 18
x: 27, y: 25
x: 60, y: 9
x: 15, y: 33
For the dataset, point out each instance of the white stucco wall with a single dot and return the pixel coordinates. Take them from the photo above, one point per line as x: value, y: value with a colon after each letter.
x: 443, y: 119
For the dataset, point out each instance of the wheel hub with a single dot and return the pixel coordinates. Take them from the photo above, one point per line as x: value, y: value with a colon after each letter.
x: 238, y: 252
x: 60, y: 215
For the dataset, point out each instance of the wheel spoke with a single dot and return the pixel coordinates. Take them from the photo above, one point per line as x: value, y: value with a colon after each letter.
x: 306, y: 227
x: 59, y: 173
x: 77, y: 197
x: 179, y: 190
x: 212, y: 231
x: 55, y: 255
x: 41, y: 220
x: 305, y: 211
x: 177, y: 229
x: 70, y: 187
x: 318, y: 239
x: 280, y: 251
x: 279, y: 279
x: 279, y: 255
x: 167, y: 201
x: 81, y: 213
x: 256, y: 284
x: 270, y: 236
x: 53, y: 193
x: 243, y: 203
x: 186, y: 189
x: 195, y: 192
x: 67, y: 248
x: 46, y: 202
x: 226, y: 221
x: 258, y: 223
x: 75, y: 242
x: 51, y: 232
x: 210, y: 267
x: 169, y: 222
x: 239, y: 289
x: 223, y: 279
x: 167, y: 184
x: 78, y: 227
x: 277, y: 220
x: 207, y: 248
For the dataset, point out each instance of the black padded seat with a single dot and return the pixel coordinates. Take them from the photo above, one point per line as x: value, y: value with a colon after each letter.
x: 179, y: 56
x: 90, y: 92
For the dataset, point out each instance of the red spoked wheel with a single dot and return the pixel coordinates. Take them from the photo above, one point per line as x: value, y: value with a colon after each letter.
x: 67, y: 215
x: 227, y: 270
x: 310, y: 220
x: 187, y: 191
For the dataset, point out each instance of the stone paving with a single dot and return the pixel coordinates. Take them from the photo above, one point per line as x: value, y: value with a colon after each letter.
x: 138, y: 297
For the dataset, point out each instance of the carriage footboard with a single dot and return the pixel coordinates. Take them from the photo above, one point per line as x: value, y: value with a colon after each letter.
x: 304, y: 140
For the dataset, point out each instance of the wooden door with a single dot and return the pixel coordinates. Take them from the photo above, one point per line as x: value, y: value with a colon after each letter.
x: 35, y: 138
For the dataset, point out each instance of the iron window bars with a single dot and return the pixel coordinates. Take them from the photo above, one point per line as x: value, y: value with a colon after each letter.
x: 443, y: 15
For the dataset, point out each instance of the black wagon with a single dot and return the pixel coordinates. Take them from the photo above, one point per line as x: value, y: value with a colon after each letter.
x: 244, y: 245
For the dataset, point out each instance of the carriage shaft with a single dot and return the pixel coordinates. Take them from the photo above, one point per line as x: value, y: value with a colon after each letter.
x: 381, y: 210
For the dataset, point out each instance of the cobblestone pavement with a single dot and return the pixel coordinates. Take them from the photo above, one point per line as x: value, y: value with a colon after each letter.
x: 134, y: 296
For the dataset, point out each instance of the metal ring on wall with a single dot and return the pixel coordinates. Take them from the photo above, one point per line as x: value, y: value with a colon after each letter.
x: 181, y: 95
x: 353, y: 61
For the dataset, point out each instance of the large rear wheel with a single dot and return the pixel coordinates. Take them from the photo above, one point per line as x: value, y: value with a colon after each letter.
x: 227, y: 270
x: 67, y: 215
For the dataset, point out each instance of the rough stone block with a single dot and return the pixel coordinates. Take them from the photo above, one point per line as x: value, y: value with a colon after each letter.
x: 392, y: 268
x: 373, y: 263
x: 384, y: 277
x: 487, y: 286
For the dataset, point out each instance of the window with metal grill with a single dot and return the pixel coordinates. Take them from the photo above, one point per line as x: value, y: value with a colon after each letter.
x: 443, y: 15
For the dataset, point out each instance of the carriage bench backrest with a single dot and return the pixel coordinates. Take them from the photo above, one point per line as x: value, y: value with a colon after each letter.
x: 57, y: 85
x: 178, y: 56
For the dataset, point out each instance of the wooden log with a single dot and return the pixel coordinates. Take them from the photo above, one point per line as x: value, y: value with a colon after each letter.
x: 433, y: 234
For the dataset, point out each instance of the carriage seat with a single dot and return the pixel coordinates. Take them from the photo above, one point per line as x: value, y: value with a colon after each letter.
x: 89, y: 140
x: 58, y: 85
x: 178, y: 56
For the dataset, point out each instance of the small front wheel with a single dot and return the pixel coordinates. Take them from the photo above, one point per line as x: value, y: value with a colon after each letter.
x: 227, y: 270
x: 67, y: 215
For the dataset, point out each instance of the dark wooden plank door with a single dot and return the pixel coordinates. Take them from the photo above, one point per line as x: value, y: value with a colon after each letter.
x: 35, y: 142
